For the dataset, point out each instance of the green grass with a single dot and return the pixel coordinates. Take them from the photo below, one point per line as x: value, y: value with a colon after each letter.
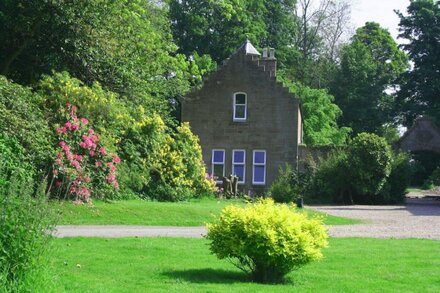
x: 138, y: 212
x: 185, y: 265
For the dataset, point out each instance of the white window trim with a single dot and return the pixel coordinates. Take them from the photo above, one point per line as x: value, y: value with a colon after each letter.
x: 219, y: 180
x: 258, y: 164
x: 240, y: 164
x: 235, y: 119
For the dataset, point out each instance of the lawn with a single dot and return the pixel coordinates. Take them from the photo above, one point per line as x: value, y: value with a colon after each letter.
x: 185, y: 265
x: 138, y: 212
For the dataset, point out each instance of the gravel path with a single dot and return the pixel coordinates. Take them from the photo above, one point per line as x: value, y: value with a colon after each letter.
x: 419, y: 218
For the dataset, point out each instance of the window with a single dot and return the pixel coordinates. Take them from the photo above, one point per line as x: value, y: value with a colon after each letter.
x: 238, y: 164
x: 259, y: 167
x: 240, y: 107
x: 218, y: 164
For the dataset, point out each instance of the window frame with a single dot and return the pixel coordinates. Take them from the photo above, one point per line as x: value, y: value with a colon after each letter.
x: 239, y: 119
x: 213, y: 163
x: 239, y: 164
x: 254, y: 164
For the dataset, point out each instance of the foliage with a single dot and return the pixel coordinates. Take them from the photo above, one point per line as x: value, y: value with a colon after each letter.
x: 370, y: 65
x: 422, y: 165
x: 357, y: 174
x: 127, y: 46
x: 24, y: 121
x: 369, y: 159
x: 160, y: 160
x: 288, y: 186
x: 83, y: 166
x: 13, y: 162
x: 320, y: 115
x: 25, y: 222
x: 399, y: 179
x: 216, y: 28
x: 420, y: 87
x: 329, y: 182
x: 266, y: 240
x: 177, y: 170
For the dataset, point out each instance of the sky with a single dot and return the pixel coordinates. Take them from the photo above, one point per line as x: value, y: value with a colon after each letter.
x: 380, y: 11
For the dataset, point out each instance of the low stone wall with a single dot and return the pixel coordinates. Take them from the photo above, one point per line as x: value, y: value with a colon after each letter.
x: 315, y: 153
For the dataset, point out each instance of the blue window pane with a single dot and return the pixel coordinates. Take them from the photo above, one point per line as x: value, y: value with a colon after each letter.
x: 259, y: 157
x: 259, y: 174
x: 219, y: 156
x: 239, y: 171
x: 239, y: 157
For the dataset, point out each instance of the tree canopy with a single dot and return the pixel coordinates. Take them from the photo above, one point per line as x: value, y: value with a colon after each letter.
x: 420, y: 87
x: 370, y: 66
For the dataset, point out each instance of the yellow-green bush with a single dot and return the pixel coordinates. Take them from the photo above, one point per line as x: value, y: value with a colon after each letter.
x: 267, y: 240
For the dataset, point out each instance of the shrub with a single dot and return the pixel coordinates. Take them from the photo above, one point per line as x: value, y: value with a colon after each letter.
x: 369, y: 164
x: 23, y: 120
x: 266, y: 240
x: 25, y: 223
x: 83, y: 165
x: 395, y: 187
x: 288, y: 186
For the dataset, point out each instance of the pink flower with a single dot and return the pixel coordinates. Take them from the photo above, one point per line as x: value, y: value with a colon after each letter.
x: 75, y: 164
x: 98, y: 164
x: 61, y: 130
x: 62, y: 143
x: 58, y: 183
x: 103, y: 151
x: 58, y: 161
x: 68, y: 105
x: 74, y: 127
x: 78, y: 158
x: 84, y: 121
x: 116, y: 159
x: 55, y: 172
x: 91, y: 153
x: 111, y: 178
x: 68, y: 125
x: 83, y: 145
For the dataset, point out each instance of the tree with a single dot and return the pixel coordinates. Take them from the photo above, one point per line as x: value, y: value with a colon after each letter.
x: 320, y: 115
x: 127, y: 46
x: 420, y: 87
x: 217, y: 27
x: 320, y: 29
x: 370, y: 66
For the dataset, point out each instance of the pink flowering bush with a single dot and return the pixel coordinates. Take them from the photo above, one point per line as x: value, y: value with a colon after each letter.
x: 83, y: 165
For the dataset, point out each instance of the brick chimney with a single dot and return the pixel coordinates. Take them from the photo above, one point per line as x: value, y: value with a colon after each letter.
x: 269, y: 61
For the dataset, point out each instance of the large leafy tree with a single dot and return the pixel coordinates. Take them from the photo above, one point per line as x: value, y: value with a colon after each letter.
x: 320, y: 115
x: 420, y: 89
x: 127, y: 46
x: 217, y: 27
x: 370, y: 66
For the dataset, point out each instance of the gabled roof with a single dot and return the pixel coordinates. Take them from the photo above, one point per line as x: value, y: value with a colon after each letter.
x: 249, y: 49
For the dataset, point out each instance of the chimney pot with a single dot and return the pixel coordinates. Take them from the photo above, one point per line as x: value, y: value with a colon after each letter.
x: 272, y: 53
x: 265, y: 53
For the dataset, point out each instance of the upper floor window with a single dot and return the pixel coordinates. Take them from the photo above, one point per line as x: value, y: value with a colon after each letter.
x: 240, y: 107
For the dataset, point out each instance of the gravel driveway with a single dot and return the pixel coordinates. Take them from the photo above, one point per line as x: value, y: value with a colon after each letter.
x: 419, y: 218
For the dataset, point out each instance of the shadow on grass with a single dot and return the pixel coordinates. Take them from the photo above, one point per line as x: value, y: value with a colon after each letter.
x: 208, y: 276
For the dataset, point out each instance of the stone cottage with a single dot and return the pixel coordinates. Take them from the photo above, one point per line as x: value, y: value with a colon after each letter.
x: 247, y: 122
